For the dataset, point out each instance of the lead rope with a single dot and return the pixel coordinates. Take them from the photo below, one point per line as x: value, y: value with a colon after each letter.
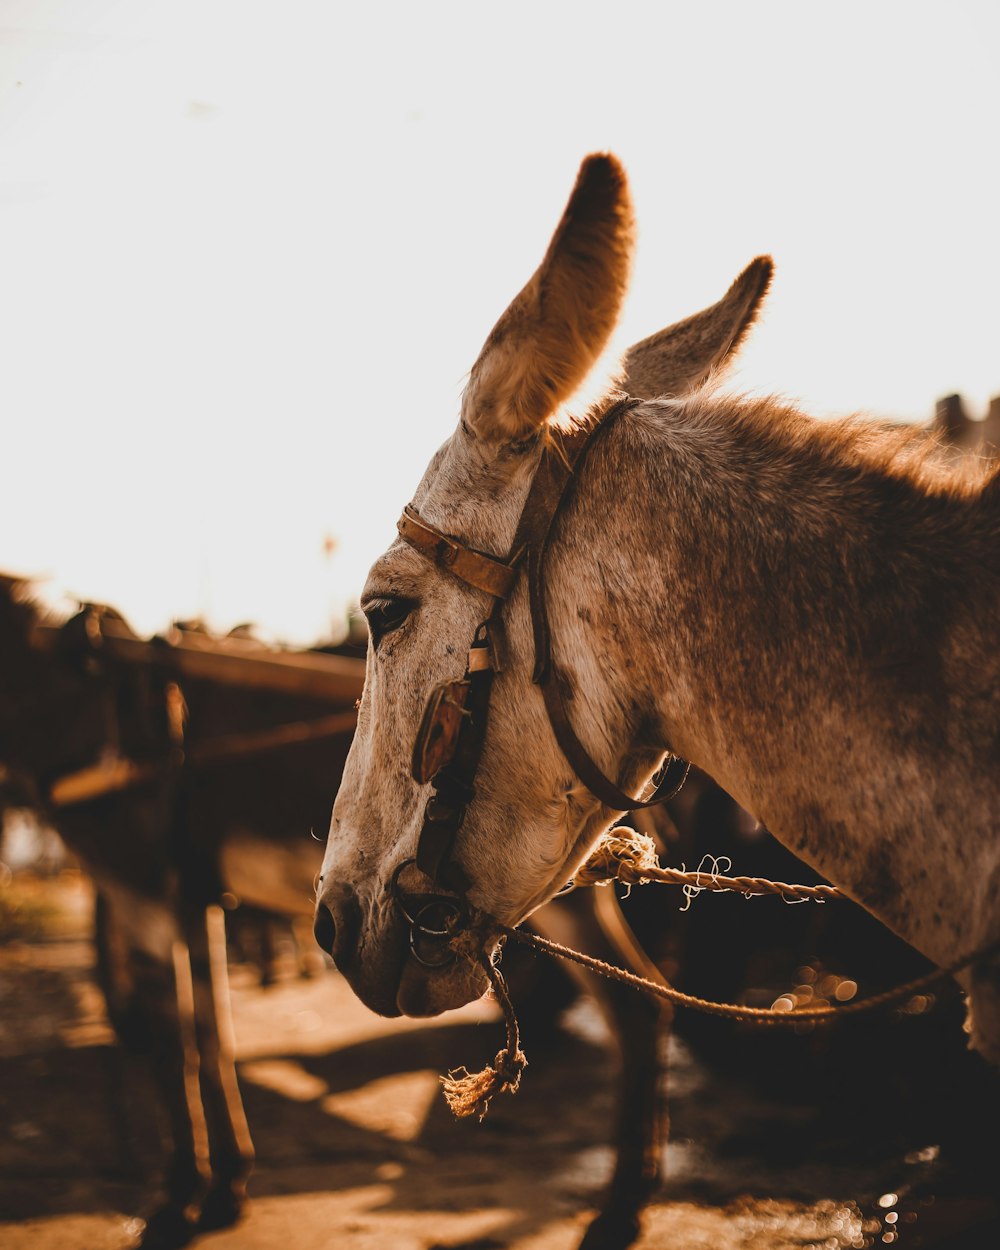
x: 630, y: 857
x: 469, y: 1093
x: 736, y: 1011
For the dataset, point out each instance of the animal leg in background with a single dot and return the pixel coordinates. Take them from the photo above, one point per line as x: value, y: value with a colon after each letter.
x: 168, y: 1012
x: 161, y: 1015
x: 593, y: 920
x: 231, y: 1153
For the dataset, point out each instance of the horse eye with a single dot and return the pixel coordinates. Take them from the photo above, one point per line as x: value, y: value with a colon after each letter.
x: 385, y: 615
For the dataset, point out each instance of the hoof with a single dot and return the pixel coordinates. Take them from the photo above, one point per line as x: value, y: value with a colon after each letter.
x: 222, y: 1208
x: 611, y: 1230
x: 168, y: 1228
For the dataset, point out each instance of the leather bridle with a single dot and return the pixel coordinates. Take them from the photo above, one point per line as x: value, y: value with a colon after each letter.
x: 450, y: 738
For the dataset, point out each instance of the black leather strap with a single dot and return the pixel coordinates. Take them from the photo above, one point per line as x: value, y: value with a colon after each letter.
x: 453, y: 786
x: 671, y: 777
x: 549, y: 492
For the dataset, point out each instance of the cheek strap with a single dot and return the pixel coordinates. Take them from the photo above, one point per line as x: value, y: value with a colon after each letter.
x: 446, y: 754
x: 450, y: 740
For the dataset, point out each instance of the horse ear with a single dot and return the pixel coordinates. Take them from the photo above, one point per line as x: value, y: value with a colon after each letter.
x: 544, y: 345
x: 681, y: 357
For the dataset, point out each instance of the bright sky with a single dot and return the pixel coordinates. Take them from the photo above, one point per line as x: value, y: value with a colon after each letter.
x: 248, y: 251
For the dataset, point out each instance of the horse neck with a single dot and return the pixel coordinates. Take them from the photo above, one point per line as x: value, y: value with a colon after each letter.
x: 801, y: 603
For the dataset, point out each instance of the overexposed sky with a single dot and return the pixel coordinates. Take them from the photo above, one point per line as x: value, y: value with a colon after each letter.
x: 248, y: 251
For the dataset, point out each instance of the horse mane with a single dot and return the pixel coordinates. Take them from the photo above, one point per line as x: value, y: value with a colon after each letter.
x: 870, y: 535
x: 773, y: 432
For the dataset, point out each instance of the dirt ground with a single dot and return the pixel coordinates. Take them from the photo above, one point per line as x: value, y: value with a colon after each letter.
x: 356, y: 1149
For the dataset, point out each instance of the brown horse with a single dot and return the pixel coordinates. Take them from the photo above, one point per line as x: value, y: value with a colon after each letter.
x: 807, y: 610
x: 94, y: 745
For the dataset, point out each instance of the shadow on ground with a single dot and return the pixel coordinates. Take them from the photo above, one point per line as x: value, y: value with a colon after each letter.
x: 790, y: 1146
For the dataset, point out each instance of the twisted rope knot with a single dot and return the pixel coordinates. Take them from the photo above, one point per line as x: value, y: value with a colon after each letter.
x: 623, y: 855
x: 470, y: 1093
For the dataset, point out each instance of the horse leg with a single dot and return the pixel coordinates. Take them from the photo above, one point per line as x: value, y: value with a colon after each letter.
x: 123, y: 1003
x: 147, y: 989
x: 593, y: 920
x: 230, y: 1148
x: 250, y: 939
x: 163, y: 1029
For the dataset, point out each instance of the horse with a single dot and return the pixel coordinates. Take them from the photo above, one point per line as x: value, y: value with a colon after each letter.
x: 804, y: 609
x: 97, y: 747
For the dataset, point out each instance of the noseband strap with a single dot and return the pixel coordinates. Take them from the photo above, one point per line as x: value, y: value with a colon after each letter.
x: 561, y: 460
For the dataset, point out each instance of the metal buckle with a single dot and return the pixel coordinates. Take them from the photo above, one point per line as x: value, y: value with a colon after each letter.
x: 434, y: 919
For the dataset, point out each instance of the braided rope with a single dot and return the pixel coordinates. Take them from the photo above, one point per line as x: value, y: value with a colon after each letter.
x: 630, y: 857
x: 469, y: 1093
x: 736, y: 1011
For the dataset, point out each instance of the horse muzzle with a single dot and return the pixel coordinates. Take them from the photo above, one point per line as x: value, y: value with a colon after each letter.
x: 406, y: 962
x: 446, y: 939
x: 337, y: 926
x: 428, y: 992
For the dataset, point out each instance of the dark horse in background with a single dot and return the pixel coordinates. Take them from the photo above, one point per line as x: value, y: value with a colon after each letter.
x: 140, y: 773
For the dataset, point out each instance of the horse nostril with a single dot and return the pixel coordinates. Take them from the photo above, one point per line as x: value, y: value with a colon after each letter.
x: 338, y: 924
x: 325, y: 928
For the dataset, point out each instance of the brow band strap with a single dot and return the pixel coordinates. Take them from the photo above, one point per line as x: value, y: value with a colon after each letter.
x: 471, y: 567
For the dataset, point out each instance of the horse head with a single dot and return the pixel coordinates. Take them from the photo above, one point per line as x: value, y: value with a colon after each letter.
x: 448, y: 600
x: 24, y: 682
x: 57, y: 700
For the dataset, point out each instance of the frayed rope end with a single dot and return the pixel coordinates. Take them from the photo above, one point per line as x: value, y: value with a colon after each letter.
x: 470, y: 1093
x: 621, y: 855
